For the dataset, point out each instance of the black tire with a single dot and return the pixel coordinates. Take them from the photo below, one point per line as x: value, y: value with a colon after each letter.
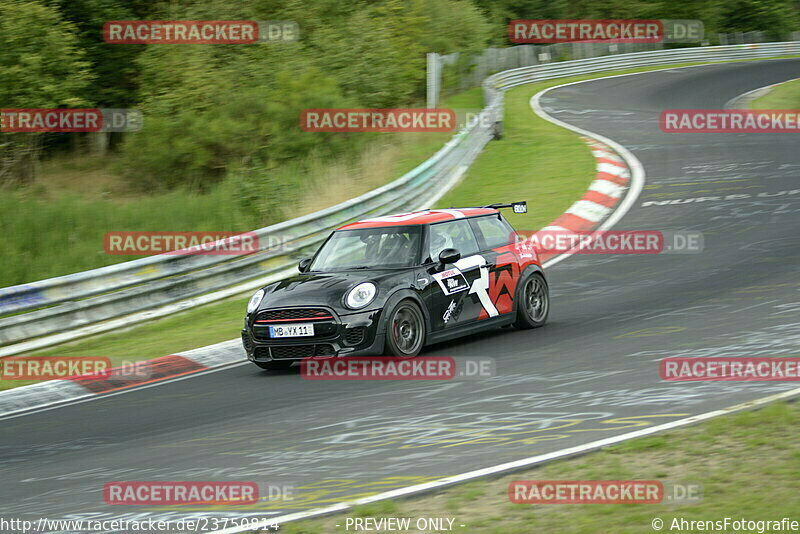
x: 533, y: 302
x: 274, y: 365
x: 405, y: 330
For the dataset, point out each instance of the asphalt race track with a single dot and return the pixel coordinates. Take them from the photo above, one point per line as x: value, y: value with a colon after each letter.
x: 591, y: 373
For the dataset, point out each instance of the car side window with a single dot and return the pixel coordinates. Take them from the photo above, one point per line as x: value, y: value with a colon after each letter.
x: 454, y: 234
x: 495, y: 232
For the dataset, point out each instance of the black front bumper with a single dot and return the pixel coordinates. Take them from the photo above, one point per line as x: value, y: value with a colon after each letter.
x: 351, y: 334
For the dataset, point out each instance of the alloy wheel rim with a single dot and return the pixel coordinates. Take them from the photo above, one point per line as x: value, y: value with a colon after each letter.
x: 406, y: 329
x: 536, y: 299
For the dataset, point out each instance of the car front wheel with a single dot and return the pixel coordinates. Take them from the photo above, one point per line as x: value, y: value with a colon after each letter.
x: 533, y: 304
x: 405, y: 330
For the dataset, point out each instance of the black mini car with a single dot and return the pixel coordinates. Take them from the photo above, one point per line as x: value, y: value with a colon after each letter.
x: 394, y: 284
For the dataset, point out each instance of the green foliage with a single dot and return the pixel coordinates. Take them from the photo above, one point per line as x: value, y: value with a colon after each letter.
x: 207, y: 109
x: 263, y: 192
x: 41, y: 67
x: 40, y: 60
x: 777, y: 17
x: 375, y: 54
x: 210, y: 108
x: 113, y: 66
x: 214, y: 110
x: 454, y: 26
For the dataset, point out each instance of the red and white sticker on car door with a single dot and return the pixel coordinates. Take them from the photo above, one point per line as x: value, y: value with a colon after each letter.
x: 453, y: 281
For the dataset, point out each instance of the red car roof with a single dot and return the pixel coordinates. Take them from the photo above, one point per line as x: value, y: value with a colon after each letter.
x: 419, y: 217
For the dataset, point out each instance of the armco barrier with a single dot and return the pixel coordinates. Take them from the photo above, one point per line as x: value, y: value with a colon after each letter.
x: 495, y: 84
x: 81, y: 299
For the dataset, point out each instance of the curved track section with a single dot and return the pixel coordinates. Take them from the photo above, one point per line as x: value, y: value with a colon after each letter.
x: 590, y: 374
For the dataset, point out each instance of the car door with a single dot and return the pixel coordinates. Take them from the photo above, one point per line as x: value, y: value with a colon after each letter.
x: 457, y: 293
x: 496, y: 239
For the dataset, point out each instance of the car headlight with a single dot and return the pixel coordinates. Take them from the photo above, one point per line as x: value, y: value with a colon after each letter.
x: 255, y: 300
x: 361, y: 295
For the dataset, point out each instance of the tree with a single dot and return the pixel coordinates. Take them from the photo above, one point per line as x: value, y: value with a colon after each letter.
x: 42, y: 67
x: 777, y: 17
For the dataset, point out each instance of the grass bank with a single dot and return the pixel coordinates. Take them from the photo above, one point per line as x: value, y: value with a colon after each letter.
x: 783, y: 96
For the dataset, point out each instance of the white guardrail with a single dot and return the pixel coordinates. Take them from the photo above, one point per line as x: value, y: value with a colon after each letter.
x: 70, y: 302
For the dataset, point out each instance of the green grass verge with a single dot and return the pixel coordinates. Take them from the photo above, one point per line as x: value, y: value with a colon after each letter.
x: 747, y: 463
x: 784, y: 96
x: 533, y: 171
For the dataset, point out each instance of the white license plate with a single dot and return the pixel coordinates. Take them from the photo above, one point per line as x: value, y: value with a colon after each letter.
x: 293, y: 330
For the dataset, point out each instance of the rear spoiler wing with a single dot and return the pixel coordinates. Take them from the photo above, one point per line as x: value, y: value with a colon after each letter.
x: 519, y: 207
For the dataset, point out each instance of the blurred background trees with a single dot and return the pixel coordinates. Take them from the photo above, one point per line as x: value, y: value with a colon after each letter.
x: 42, y: 66
x: 210, y: 109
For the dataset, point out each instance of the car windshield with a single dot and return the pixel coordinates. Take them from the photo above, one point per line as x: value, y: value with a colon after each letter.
x: 369, y: 247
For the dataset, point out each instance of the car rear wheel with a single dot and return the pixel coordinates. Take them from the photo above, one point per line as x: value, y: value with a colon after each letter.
x: 533, y: 304
x: 405, y: 330
x: 274, y: 365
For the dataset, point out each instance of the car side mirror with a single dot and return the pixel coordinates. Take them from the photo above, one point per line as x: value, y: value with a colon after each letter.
x: 304, y: 265
x: 448, y: 255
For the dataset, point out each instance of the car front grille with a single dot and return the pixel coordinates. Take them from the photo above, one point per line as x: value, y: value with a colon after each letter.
x: 325, y: 324
x: 302, y: 351
x: 294, y: 314
x: 354, y: 336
